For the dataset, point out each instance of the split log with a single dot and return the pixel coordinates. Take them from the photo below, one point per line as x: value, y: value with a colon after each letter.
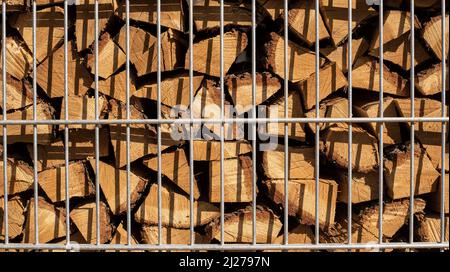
x: 301, y: 199
x: 428, y: 133
x: 53, y: 182
x: 50, y: 73
x: 171, y: 236
x: 334, y: 13
x: 365, y: 225
x: 51, y: 222
x: 110, y: 57
x: 238, y: 226
x: 364, y: 149
x: 82, y: 108
x: 19, y: 176
x: 432, y: 34
x: 366, y: 75
x: 429, y: 229
x: 19, y: 93
x: 175, y: 210
x: 142, y: 136
x: 207, y: 52
x: 398, y: 52
x: 19, y: 133
x: 176, y: 168
x: 85, y: 218
x: 238, y: 182
x: 331, y: 108
x: 174, y: 90
x: 365, y: 186
x: 301, y: 163
x: 85, y: 20
x: 398, y: 172
x: 18, y: 59
x: 339, y: 55
x: 429, y: 81
x: 241, y: 91
x: 115, y: 85
x: 331, y: 79
x: 49, y: 29
x: 81, y: 146
x: 435, y: 200
x: 16, y: 217
x: 391, y: 131
x: 143, y: 50
x: 121, y: 237
x: 113, y: 183
x: 302, y: 62
x: 144, y: 11
x: 210, y: 150
x: 302, y: 234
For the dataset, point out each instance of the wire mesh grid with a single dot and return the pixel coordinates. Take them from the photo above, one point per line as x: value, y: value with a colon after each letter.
x: 253, y: 120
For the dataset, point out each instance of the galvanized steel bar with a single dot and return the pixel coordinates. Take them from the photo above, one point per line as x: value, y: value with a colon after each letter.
x: 97, y: 131
x: 35, y: 150
x: 444, y: 35
x: 66, y: 117
x: 222, y: 108
x: 350, y: 126
x: 286, y: 129
x: 317, y: 140
x: 5, y: 133
x: 253, y: 136
x: 128, y: 129
x: 158, y: 109
x: 412, y: 174
x: 381, y: 114
x: 191, y: 116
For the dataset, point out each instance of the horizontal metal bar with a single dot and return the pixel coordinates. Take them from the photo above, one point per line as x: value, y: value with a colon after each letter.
x: 244, y: 247
x: 227, y: 120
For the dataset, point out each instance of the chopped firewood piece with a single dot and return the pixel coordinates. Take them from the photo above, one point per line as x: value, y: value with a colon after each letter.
x: 301, y: 61
x: 301, y: 163
x: 210, y: 150
x: 398, y: 173
x: 436, y: 198
x: 110, y: 56
x: 19, y: 93
x: 171, y: 236
x: 19, y: 176
x: 335, y: 16
x: 366, y: 75
x: 237, y: 180
x: 391, y: 131
x: 82, y: 108
x: 364, y: 148
x: 331, y: 108
x: 50, y: 73
x: 429, y: 229
x: 85, y: 218
x: 144, y: 11
x: 174, y: 90
x: 49, y: 29
x: 175, y: 210
x: 16, y: 217
x: 143, y: 50
x: 301, y: 200
x: 398, y: 52
x: 53, y: 182
x: 295, y: 110
x: 240, y: 88
x: 18, y: 59
x: 51, y: 222
x: 24, y: 133
x: 364, y: 186
x: 85, y: 20
x: 429, y: 81
x: 121, y: 237
x: 207, y: 52
x: 432, y: 33
x: 331, y: 80
x: 115, y: 85
x: 302, y: 234
x: 339, y: 55
x: 238, y: 226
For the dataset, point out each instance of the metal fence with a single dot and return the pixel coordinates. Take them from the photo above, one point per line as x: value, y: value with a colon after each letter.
x: 251, y: 121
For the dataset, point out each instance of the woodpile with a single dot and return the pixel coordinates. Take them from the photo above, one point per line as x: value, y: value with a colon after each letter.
x: 242, y: 176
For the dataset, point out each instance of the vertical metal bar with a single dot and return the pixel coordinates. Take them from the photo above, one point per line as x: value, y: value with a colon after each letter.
x: 127, y: 87
x: 66, y: 118
x: 443, y: 142
x: 317, y: 169
x: 380, y: 144
x: 158, y: 109
x: 350, y: 125
x: 222, y: 102
x: 97, y: 132
x: 5, y: 133
x: 286, y: 129
x: 191, y: 116
x: 35, y: 150
x: 412, y: 175
x: 254, y: 116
